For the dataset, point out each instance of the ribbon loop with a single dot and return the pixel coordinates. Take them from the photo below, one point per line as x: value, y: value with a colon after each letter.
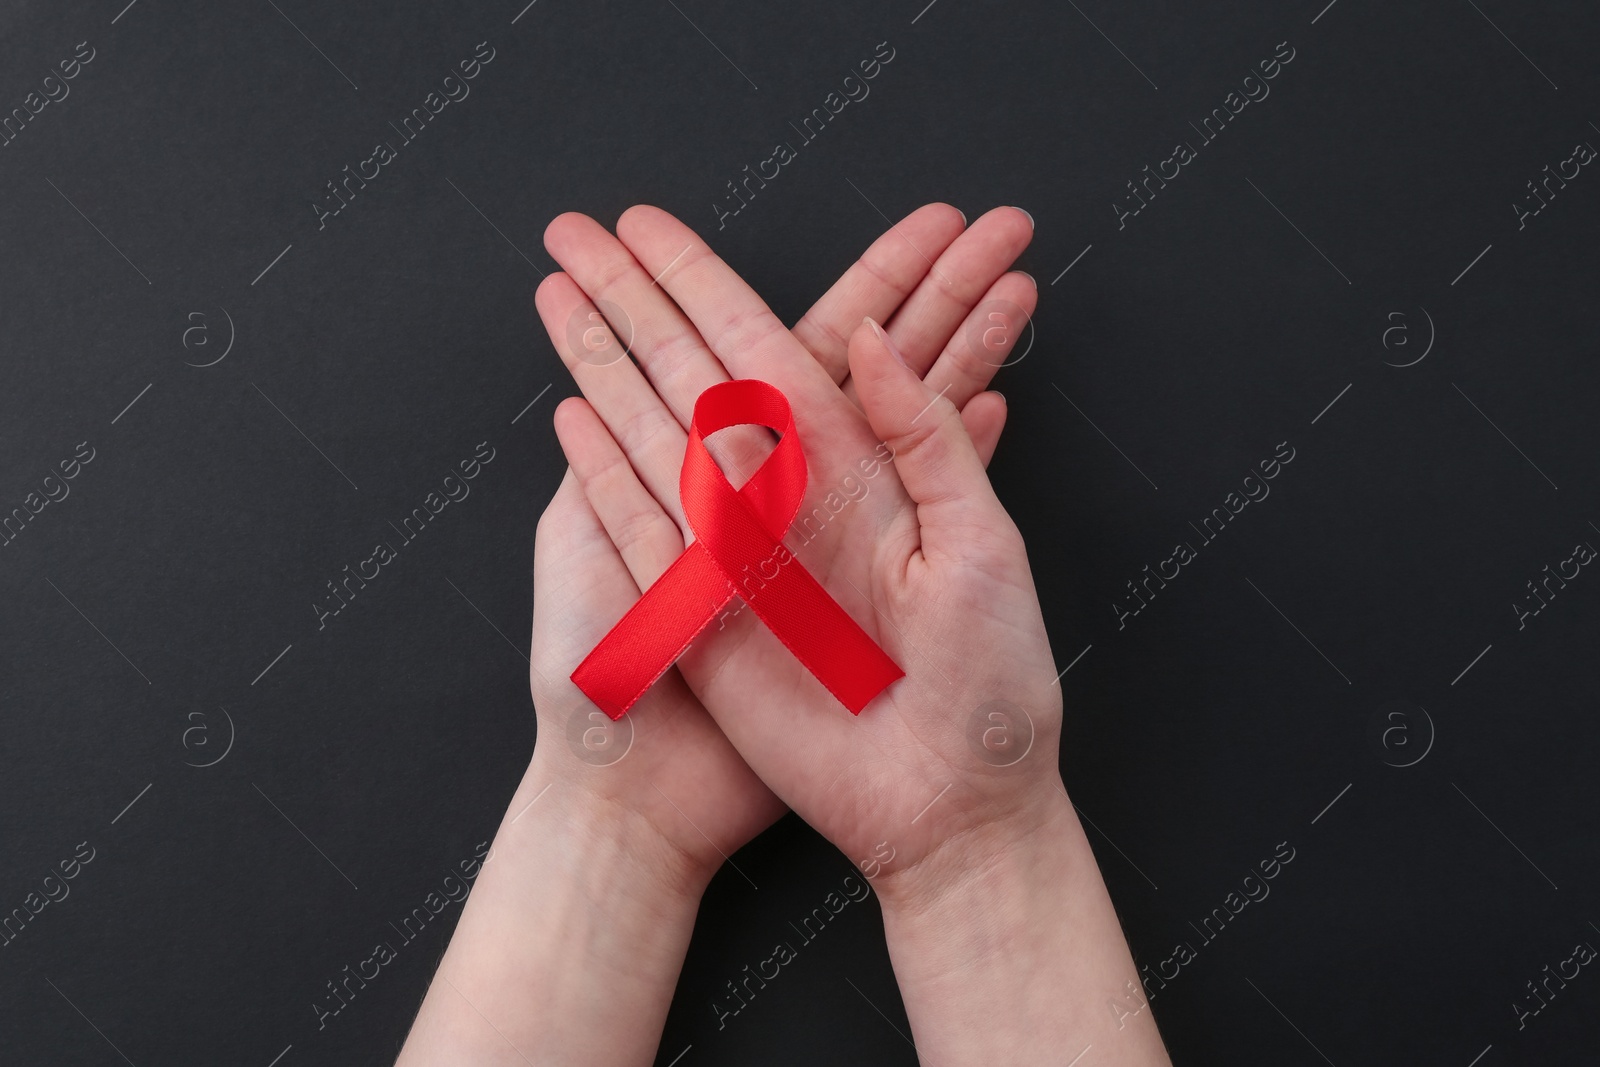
x: 738, y: 551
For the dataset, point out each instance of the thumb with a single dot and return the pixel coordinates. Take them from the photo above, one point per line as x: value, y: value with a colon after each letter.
x: 933, y: 454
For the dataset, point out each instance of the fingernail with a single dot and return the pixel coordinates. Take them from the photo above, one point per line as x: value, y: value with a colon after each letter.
x: 1002, y: 397
x: 888, y: 342
x: 1028, y: 276
x: 1026, y: 212
x: 963, y: 217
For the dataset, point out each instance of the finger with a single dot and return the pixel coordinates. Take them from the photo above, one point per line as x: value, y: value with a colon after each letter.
x: 933, y: 456
x: 645, y: 535
x: 559, y: 528
x: 572, y: 545
x: 984, y: 417
x: 956, y: 282
x: 676, y: 363
x: 673, y: 357
x: 570, y: 540
x: 877, y: 284
x: 740, y: 329
x: 636, y: 418
x: 987, y: 339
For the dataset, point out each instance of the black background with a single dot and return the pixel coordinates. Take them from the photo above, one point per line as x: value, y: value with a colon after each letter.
x: 1197, y: 338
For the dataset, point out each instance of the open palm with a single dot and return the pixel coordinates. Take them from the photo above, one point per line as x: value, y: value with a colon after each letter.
x: 919, y: 551
x: 597, y: 547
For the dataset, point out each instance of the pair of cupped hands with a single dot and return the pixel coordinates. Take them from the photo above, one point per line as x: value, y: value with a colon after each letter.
x: 898, y: 353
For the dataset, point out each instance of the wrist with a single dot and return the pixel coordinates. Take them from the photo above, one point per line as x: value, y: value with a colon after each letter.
x: 607, y: 839
x: 1006, y: 944
x: 579, y: 917
x: 1004, y: 854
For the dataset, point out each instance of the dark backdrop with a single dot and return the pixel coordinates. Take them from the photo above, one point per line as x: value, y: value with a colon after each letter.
x: 1351, y: 672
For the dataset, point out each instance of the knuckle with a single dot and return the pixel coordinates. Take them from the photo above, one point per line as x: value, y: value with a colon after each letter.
x: 899, y: 286
x: 635, y: 530
x: 749, y: 328
x: 640, y: 428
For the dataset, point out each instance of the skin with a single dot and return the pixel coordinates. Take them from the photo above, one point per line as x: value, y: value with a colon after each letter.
x: 999, y: 926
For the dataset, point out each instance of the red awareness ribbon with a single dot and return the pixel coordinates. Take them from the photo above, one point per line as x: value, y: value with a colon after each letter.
x: 738, y: 551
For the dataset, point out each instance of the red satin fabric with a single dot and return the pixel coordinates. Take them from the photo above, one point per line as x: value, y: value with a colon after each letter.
x: 738, y: 551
